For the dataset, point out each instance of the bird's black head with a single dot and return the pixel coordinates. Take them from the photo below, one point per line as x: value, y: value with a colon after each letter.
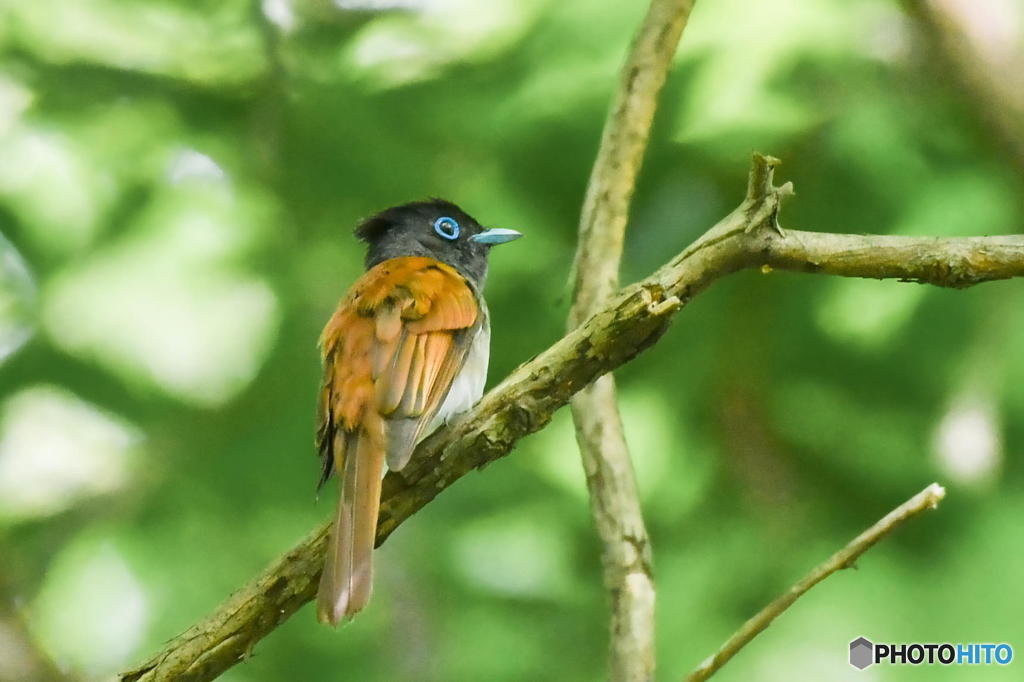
x: 438, y: 229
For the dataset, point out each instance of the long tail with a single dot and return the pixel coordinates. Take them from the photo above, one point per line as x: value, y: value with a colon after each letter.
x: 348, y: 572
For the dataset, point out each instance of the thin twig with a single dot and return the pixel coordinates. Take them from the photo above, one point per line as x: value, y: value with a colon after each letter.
x: 928, y: 498
x: 524, y: 402
x: 614, y: 501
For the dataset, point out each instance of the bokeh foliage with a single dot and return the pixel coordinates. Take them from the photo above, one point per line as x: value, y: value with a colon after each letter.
x: 178, y: 183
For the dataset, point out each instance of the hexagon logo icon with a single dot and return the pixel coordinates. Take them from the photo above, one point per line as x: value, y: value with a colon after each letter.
x: 861, y: 653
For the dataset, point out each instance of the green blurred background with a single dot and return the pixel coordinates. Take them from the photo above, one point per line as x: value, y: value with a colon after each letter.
x: 178, y: 184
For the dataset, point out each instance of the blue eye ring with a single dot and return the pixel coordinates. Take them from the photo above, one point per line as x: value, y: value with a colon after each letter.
x: 447, y: 227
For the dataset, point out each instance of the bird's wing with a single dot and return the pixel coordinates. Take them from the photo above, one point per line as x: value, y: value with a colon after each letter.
x: 390, y: 354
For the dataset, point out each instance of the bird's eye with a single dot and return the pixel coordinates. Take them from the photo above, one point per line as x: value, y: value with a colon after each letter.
x: 447, y: 228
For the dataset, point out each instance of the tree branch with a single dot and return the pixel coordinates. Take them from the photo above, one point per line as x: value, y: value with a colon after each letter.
x: 955, y: 263
x: 928, y: 498
x: 613, y: 177
x: 523, y: 403
x: 614, y: 501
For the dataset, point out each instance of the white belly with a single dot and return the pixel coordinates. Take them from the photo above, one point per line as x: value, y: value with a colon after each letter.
x: 468, y: 386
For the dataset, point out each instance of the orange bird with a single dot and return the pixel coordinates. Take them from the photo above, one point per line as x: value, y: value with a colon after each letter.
x: 406, y: 349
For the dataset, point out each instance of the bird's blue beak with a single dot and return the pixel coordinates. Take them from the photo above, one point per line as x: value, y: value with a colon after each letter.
x: 495, y: 235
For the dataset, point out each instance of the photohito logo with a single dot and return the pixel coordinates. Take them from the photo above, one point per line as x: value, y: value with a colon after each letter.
x: 864, y: 652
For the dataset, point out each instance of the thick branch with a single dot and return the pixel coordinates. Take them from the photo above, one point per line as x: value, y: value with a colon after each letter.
x: 614, y: 501
x: 928, y: 498
x: 523, y: 403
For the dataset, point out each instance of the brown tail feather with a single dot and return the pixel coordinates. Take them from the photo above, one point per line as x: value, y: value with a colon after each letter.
x: 348, y: 572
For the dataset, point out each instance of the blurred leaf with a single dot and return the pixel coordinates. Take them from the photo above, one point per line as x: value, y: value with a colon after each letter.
x: 214, y: 43
x: 92, y: 611
x: 17, y: 300
x: 56, y: 450
x: 166, y: 305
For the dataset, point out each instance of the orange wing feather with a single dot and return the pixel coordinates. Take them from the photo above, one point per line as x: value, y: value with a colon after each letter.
x: 390, y: 354
x: 385, y: 347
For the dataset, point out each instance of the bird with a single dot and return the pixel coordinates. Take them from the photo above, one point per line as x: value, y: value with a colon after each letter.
x: 406, y: 349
